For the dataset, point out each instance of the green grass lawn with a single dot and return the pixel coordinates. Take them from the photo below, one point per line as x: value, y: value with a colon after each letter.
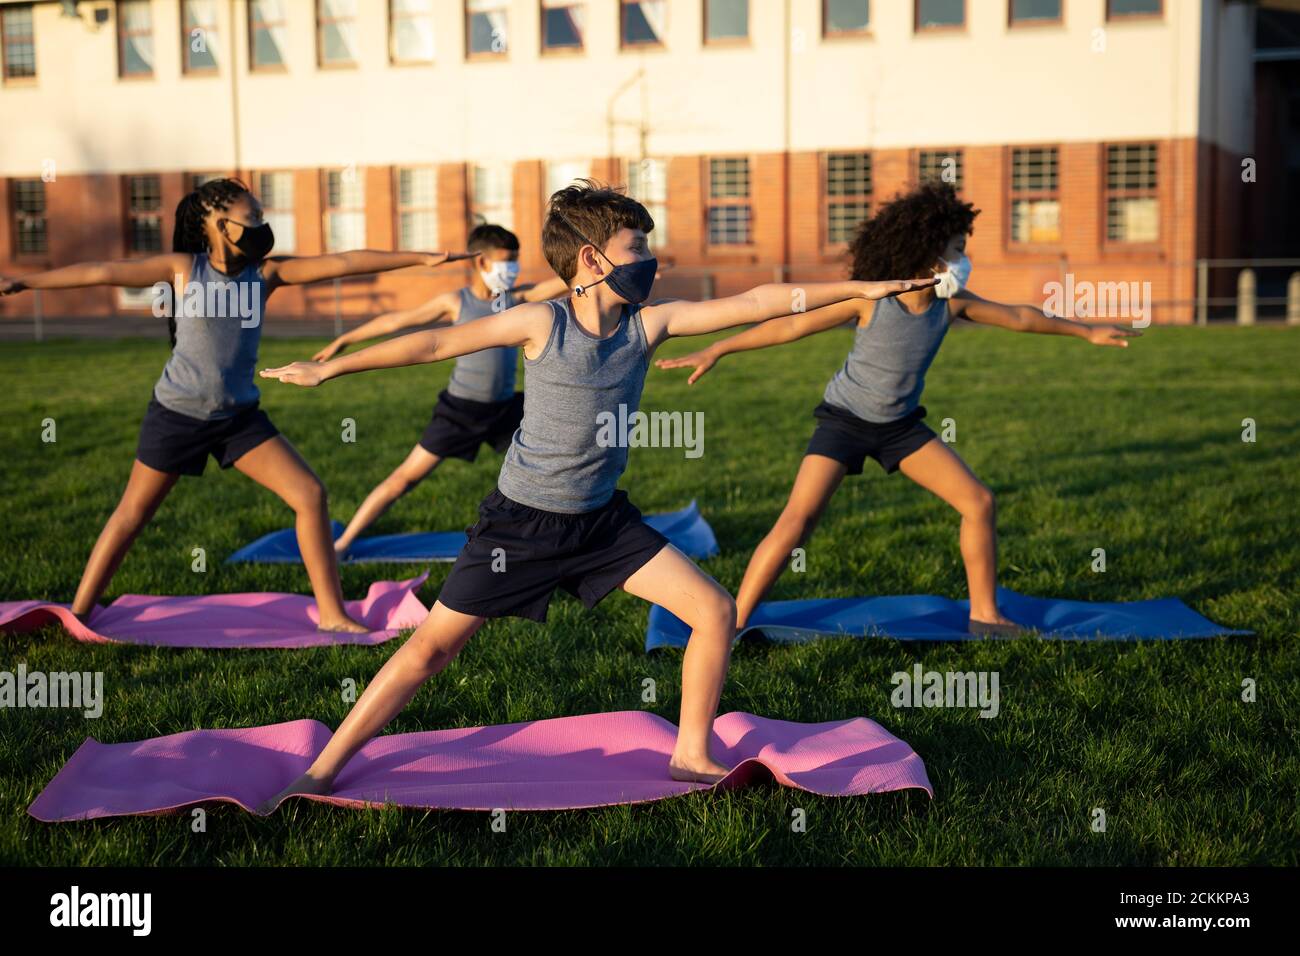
x: 1138, y: 452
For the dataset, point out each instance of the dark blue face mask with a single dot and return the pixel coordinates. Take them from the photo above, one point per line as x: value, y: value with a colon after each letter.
x: 631, y: 282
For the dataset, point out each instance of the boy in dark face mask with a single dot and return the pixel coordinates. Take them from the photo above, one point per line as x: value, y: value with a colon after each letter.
x: 557, y: 519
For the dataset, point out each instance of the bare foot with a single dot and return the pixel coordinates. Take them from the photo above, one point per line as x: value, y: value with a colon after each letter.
x: 342, y: 625
x: 306, y: 784
x: 706, y: 770
x: 995, y: 625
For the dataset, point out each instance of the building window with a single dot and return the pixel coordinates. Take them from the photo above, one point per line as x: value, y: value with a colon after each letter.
x: 1132, y: 208
x: 848, y: 194
x: 1035, y: 199
x: 199, y: 36
x: 845, y: 17
x: 29, y: 217
x: 647, y: 183
x: 940, y: 14
x: 1034, y: 11
x: 410, y: 31
x: 730, y: 216
x: 562, y: 23
x: 941, y: 166
x: 492, y: 194
x: 144, y: 214
x: 562, y: 173
x: 643, y: 22
x: 345, y: 210
x: 275, y: 190
x: 336, y: 32
x: 134, y: 38
x: 417, y: 208
x: 199, y: 179
x: 486, y: 28
x: 726, y: 20
x: 1118, y: 9
x: 18, y: 43
x: 268, y: 33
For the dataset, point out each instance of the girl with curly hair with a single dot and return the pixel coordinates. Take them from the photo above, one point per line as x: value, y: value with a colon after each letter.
x: 214, y: 286
x: 871, y: 408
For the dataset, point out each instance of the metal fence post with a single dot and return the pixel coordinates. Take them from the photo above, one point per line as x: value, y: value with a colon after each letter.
x: 36, y: 314
x: 1202, y: 292
x: 1246, y: 297
x: 338, y: 307
x: 1293, y: 299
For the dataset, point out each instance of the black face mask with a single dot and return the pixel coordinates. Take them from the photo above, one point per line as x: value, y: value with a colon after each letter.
x: 630, y: 281
x: 255, y: 241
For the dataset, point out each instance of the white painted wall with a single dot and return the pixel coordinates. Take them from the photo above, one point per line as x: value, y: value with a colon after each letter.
x: 988, y: 84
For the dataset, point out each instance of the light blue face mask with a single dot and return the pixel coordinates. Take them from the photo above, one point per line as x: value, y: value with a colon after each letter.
x: 954, y: 279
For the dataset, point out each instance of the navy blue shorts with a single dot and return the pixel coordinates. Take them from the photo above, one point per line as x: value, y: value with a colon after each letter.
x: 850, y: 440
x: 180, y: 445
x: 517, y: 556
x: 460, y: 426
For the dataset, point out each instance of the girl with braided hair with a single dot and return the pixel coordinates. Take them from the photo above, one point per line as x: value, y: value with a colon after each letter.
x: 216, y: 282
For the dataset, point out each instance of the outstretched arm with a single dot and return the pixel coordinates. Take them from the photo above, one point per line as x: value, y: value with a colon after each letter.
x: 762, y: 303
x: 131, y: 273
x: 551, y: 288
x: 527, y: 325
x: 299, y: 270
x: 1025, y: 318
x: 440, y: 308
x: 765, y: 334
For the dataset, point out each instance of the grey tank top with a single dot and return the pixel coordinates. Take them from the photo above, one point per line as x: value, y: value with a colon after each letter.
x: 218, y: 328
x: 489, y: 375
x: 884, y: 375
x: 562, y: 459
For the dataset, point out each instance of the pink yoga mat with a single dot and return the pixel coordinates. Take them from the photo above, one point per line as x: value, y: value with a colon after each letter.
x: 566, y: 763
x: 263, y: 619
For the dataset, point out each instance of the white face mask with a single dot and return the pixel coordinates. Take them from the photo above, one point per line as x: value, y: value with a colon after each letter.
x: 954, y: 279
x: 501, y: 276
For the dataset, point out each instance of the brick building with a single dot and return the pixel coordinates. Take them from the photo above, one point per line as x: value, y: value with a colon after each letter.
x: 1104, y: 139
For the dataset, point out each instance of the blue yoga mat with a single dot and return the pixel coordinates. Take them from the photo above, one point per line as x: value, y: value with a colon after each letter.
x: 926, y: 618
x: 687, y: 529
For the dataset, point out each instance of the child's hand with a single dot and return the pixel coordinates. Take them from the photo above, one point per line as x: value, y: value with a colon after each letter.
x: 1115, y: 335
x: 306, y: 374
x: 701, y: 361
x: 892, y: 287
x: 329, y: 351
x: 10, y: 286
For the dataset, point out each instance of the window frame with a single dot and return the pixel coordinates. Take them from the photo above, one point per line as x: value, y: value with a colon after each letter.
x: 1108, y: 193
x: 131, y: 215
x: 399, y: 208
x: 1112, y: 17
x: 724, y: 42
x: 269, y: 211
x: 545, y: 50
x: 711, y: 202
x: 327, y: 210
x: 1054, y: 194
x: 122, y: 34
x: 253, y: 65
x: 660, y: 44
x: 5, y: 78
x: 471, y: 183
x: 19, y: 255
x: 1014, y: 24
x: 939, y: 28
x: 186, y: 69
x: 393, y: 18
x: 829, y: 34
x: 825, y: 242
x: 661, y: 238
x: 956, y: 151
x: 321, y: 23
x: 472, y: 55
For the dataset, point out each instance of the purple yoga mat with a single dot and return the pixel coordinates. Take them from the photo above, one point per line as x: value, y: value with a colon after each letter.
x: 264, y: 619
x: 566, y: 763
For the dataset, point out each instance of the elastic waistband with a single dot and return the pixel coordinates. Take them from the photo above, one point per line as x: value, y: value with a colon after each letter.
x: 500, y: 499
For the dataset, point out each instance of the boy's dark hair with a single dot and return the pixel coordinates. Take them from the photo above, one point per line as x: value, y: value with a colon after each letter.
x: 188, y: 235
x: 587, y: 212
x: 487, y: 236
x: 907, y: 235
